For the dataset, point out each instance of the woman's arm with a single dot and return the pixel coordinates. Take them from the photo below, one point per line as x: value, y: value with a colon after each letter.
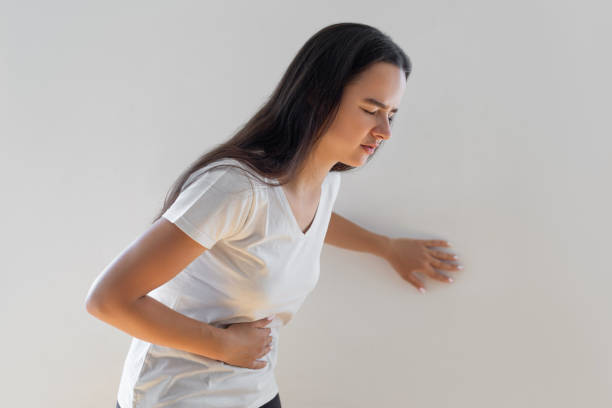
x: 119, y: 295
x: 348, y: 235
x: 405, y: 255
x: 152, y: 321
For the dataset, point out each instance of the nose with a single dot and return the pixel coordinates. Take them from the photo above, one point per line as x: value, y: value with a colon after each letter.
x: 382, y: 131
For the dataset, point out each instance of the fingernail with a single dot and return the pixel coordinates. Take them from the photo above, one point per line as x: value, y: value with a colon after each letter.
x: 422, y: 290
x: 450, y: 279
x: 271, y: 317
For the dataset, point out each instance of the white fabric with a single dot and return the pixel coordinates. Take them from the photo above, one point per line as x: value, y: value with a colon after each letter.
x: 258, y: 263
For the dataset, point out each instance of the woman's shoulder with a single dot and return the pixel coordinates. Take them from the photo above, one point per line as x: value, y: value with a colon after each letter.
x: 226, y: 174
x: 229, y: 168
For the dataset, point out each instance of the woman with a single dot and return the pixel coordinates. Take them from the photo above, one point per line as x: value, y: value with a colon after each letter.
x: 235, y: 249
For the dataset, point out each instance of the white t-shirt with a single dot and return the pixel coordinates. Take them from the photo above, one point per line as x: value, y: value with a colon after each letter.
x: 258, y: 263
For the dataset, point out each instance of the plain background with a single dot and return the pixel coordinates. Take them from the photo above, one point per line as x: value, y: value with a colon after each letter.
x: 501, y: 146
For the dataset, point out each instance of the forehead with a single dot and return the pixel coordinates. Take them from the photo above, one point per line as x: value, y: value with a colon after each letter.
x: 382, y: 81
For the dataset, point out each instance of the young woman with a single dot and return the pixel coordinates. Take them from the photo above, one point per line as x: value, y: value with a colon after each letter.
x: 236, y: 246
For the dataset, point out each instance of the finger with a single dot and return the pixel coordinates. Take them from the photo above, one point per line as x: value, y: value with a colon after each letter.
x: 437, y: 243
x: 445, y: 265
x: 443, y: 255
x: 263, y: 352
x: 415, y: 282
x: 438, y: 276
x: 258, y: 364
x: 264, y: 321
x: 266, y: 350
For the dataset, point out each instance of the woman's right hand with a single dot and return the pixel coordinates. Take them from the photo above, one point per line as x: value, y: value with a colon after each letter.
x: 244, y: 343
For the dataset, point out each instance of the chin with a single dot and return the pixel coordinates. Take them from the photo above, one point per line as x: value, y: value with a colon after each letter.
x: 355, y: 162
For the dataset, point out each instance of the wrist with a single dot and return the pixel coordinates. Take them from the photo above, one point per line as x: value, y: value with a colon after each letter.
x: 215, y: 340
x: 382, y: 248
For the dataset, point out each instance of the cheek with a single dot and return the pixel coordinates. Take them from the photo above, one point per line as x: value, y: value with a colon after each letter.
x: 351, y: 129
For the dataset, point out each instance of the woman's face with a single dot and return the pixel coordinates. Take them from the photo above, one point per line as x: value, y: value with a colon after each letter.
x: 361, y: 121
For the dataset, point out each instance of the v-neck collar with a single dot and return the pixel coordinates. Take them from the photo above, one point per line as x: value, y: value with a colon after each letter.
x: 287, y: 206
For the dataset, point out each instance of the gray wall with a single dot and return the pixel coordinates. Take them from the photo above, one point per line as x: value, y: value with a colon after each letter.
x: 501, y: 146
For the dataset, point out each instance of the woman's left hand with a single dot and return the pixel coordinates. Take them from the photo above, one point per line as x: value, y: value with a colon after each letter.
x: 415, y: 255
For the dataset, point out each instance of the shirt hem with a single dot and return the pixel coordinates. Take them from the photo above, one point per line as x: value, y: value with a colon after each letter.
x: 266, y: 399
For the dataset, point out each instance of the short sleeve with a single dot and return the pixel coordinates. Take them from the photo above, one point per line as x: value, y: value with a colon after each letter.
x: 214, y: 206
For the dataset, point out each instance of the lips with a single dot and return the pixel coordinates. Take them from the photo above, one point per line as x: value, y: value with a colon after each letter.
x: 368, y: 149
x: 372, y: 146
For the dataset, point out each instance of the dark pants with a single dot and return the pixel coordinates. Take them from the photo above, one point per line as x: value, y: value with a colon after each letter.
x: 273, y: 403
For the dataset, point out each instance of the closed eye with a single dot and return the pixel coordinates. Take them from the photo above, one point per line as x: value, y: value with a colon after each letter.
x: 374, y: 113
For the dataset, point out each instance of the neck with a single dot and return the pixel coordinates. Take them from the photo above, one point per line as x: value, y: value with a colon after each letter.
x: 310, y: 177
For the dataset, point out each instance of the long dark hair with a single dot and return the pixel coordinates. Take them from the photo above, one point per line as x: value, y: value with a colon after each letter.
x: 275, y: 142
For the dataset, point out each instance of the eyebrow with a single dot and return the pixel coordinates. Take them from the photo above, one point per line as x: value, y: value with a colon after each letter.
x: 378, y: 103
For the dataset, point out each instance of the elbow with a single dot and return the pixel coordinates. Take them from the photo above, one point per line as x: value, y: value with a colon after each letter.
x: 99, y: 300
x: 99, y: 304
x: 103, y: 305
x: 93, y: 299
x: 106, y: 298
x: 93, y: 305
